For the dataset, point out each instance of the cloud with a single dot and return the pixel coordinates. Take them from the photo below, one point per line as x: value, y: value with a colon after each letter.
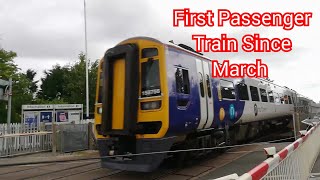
x: 44, y: 33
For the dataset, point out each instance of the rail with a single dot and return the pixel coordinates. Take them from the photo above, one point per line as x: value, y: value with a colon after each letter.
x: 293, y: 162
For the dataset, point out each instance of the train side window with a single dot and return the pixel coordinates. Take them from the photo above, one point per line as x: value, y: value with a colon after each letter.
x: 254, y: 93
x: 263, y: 93
x: 281, y: 98
x: 182, y: 81
x: 201, y: 85
x: 243, y: 91
x: 227, y: 89
x: 271, y: 98
x: 277, y: 98
x: 286, y: 99
x: 289, y: 97
x: 208, y: 85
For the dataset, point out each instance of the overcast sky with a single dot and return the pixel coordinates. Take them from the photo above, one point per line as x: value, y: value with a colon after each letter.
x: 46, y: 32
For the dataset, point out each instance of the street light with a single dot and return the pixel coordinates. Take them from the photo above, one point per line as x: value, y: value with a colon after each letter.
x: 86, y: 59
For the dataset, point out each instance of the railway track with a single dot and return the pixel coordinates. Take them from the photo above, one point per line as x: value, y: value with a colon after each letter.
x: 90, y: 169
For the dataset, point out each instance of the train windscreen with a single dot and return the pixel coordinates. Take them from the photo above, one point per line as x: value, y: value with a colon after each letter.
x: 150, y: 78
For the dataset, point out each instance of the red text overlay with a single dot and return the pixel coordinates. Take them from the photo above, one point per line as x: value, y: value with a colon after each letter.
x: 286, y: 20
x: 228, y: 70
x: 249, y: 43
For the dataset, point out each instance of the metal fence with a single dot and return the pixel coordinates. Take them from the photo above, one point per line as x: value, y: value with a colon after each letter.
x: 72, y: 137
x: 18, y: 128
x: 293, y: 162
x: 21, y: 139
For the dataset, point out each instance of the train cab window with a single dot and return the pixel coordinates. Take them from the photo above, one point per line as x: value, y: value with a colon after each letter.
x: 227, y: 89
x: 263, y: 94
x: 254, y: 93
x: 182, y: 81
x: 208, y: 85
x: 289, y: 98
x: 150, y: 77
x: 271, y: 98
x: 149, y: 52
x: 201, y: 85
x: 243, y: 91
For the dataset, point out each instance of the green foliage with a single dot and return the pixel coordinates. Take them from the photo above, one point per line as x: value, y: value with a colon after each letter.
x: 21, y: 94
x: 60, y: 85
x: 43, y: 101
x: 7, y: 66
x: 30, y: 74
x: 53, y: 84
x: 21, y: 86
x: 69, y: 83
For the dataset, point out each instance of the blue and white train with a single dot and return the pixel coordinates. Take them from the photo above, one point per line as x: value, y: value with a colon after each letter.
x: 153, y: 96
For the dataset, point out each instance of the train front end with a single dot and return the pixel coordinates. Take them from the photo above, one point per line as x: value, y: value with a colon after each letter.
x: 131, y: 110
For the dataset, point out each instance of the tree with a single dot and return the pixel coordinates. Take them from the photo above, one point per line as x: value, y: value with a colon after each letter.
x: 21, y: 93
x: 30, y: 74
x: 69, y: 83
x: 53, y: 84
x: 7, y: 66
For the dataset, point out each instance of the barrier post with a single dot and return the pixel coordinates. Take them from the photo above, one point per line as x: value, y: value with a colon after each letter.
x: 54, y: 137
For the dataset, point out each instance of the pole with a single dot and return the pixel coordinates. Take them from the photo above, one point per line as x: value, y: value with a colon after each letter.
x: 54, y: 132
x: 294, y: 119
x: 86, y: 59
x: 9, y: 102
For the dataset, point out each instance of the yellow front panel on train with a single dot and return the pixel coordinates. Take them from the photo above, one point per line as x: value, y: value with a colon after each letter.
x: 118, y: 94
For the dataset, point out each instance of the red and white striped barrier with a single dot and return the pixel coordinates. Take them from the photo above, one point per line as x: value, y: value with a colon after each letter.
x: 293, y: 162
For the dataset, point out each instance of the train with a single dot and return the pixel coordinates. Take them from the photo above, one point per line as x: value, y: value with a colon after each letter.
x: 153, y: 98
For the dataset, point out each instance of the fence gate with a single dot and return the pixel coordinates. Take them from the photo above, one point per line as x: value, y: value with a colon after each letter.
x: 72, y: 137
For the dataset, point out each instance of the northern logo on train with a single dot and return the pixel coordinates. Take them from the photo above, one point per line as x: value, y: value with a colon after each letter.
x: 255, y: 108
x: 232, y: 111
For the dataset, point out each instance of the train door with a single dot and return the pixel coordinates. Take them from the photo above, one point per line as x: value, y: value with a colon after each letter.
x: 205, y: 94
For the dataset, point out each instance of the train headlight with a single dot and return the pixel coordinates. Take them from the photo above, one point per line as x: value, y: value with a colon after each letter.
x: 150, y: 105
x: 100, y: 110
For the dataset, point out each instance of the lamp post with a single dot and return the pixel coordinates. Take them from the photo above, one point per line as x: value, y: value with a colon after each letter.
x: 9, y: 102
x: 86, y: 59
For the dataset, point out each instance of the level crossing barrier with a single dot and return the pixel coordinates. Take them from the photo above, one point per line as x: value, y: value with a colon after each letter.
x: 294, y: 162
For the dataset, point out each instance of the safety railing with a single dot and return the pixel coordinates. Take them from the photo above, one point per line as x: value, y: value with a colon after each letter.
x: 18, y: 128
x: 23, y: 143
x: 293, y: 162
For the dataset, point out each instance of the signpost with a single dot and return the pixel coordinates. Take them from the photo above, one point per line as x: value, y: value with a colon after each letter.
x: 31, y: 117
x: 45, y: 116
x: 52, y: 113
